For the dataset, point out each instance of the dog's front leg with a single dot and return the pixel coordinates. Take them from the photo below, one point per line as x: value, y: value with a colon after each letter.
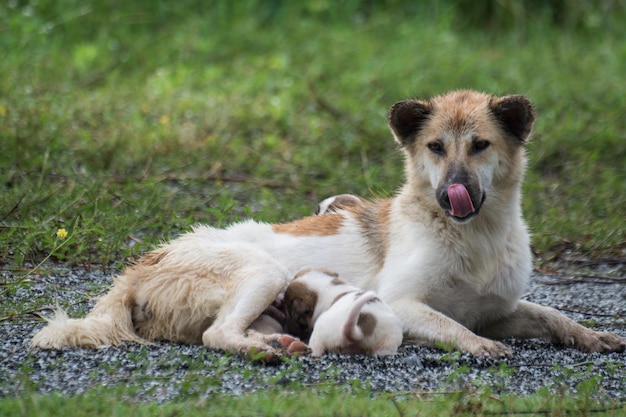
x: 424, y: 325
x: 256, y: 282
x: 530, y: 320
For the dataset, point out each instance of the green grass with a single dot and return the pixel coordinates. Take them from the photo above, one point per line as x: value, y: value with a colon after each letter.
x: 312, y: 401
x: 127, y: 123
x: 198, y: 391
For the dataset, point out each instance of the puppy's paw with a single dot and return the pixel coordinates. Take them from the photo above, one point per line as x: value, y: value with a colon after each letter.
x: 298, y: 348
x: 291, y: 345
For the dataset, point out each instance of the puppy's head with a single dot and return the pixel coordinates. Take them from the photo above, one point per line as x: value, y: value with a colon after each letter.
x: 299, y: 304
x: 462, y: 146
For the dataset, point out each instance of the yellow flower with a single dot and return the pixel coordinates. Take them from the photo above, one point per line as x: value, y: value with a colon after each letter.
x: 61, y: 234
x: 164, y: 120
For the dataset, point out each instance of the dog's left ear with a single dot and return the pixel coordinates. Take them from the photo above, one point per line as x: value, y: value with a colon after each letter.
x: 515, y: 114
x: 406, y: 119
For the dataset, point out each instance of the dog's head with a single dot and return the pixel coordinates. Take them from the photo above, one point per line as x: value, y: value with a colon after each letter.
x: 463, y: 147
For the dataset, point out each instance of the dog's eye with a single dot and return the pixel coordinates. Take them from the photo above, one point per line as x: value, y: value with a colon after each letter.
x: 479, y: 146
x: 435, y: 147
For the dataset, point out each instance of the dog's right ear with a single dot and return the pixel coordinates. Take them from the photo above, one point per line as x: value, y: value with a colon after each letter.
x: 406, y: 119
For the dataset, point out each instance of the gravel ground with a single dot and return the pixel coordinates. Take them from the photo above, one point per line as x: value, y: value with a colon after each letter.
x: 166, y: 371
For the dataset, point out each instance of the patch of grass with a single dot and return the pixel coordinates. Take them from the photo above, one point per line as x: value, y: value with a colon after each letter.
x: 311, y: 402
x: 160, y: 117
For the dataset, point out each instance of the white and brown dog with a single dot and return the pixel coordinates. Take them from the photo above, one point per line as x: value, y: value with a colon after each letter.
x: 449, y: 253
x: 334, y: 316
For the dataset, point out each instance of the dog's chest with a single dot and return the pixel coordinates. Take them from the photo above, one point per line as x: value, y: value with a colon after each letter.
x: 471, y: 282
x: 463, y: 303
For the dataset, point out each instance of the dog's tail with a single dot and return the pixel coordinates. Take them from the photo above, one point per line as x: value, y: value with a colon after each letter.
x: 109, y: 323
x: 358, y: 325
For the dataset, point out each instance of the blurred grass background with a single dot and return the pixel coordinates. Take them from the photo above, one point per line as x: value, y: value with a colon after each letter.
x: 126, y: 122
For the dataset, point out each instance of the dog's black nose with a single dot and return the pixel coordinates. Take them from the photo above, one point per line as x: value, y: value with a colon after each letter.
x: 443, y: 199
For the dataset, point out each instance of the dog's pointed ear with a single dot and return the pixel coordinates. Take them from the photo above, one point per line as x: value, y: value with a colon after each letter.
x: 406, y: 119
x: 515, y: 114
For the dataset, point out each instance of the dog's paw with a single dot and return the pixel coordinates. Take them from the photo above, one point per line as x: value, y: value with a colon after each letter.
x: 593, y: 341
x: 264, y: 354
x: 490, y: 349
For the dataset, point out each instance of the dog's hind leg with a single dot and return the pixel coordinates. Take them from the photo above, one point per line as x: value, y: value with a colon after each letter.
x: 530, y: 320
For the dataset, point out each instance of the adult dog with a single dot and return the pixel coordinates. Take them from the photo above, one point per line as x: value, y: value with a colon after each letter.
x: 449, y: 254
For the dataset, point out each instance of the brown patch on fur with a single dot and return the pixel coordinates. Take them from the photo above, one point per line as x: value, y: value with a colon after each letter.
x: 374, y: 221
x: 324, y: 225
x: 337, y: 298
x: 345, y: 200
x: 299, y: 302
x: 342, y: 201
x: 301, y: 273
x: 337, y: 281
x: 458, y: 108
x: 367, y: 323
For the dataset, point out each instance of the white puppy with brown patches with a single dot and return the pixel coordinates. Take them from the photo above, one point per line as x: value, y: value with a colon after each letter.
x: 337, y: 317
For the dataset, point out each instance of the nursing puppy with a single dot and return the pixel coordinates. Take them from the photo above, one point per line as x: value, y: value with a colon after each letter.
x: 337, y: 317
x: 449, y: 253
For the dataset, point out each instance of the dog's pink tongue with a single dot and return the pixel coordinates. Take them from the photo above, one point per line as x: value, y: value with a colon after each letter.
x: 460, y: 201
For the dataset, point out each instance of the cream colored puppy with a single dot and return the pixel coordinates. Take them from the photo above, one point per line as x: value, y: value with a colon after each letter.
x: 339, y: 317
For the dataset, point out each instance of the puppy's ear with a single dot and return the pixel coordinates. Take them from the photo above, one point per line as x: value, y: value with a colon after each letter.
x: 515, y: 114
x: 406, y: 119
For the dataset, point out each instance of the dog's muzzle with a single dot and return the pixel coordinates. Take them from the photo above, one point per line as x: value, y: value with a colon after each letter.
x: 459, y: 202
